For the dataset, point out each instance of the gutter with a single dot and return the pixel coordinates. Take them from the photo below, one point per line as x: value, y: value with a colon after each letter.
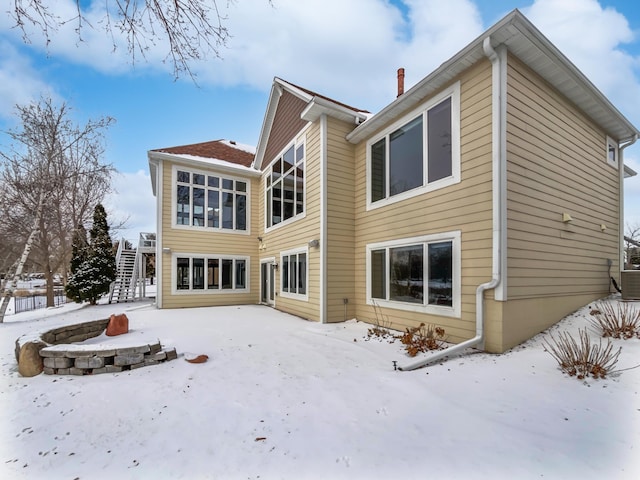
x: 498, y: 76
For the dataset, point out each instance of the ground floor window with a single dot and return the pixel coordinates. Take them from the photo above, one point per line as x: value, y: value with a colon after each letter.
x: 210, y: 273
x: 294, y: 273
x: 420, y: 273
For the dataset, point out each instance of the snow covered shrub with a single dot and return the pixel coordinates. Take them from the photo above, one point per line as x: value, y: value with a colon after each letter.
x: 619, y: 320
x: 423, y: 338
x: 95, y: 264
x: 582, y: 358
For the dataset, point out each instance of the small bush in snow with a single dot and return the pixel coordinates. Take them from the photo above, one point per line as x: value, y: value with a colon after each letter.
x: 382, y: 326
x: 423, y: 338
x: 582, y: 358
x: 619, y: 320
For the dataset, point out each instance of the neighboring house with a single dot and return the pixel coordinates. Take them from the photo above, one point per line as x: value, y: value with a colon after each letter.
x: 486, y: 199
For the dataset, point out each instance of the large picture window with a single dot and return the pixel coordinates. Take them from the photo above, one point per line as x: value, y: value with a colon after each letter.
x: 416, y: 274
x: 418, y: 154
x: 285, y: 184
x: 294, y: 272
x: 211, y: 201
x: 210, y: 274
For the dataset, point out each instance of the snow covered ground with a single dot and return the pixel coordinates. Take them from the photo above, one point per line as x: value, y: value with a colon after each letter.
x: 284, y: 398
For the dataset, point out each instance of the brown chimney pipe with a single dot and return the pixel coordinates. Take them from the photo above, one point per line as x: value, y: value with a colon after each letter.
x: 400, y: 81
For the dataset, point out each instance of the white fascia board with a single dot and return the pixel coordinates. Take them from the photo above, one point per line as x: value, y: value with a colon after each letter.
x: 320, y: 106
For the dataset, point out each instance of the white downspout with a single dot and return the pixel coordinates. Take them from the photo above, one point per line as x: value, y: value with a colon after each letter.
x: 633, y: 140
x: 159, y: 232
x: 498, y: 140
x: 323, y: 218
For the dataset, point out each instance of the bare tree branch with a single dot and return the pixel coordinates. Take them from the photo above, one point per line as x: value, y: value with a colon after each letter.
x: 193, y: 29
x: 52, y: 177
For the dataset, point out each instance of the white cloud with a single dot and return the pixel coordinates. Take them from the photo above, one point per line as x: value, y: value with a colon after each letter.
x: 593, y: 38
x: 134, y: 202
x: 20, y: 83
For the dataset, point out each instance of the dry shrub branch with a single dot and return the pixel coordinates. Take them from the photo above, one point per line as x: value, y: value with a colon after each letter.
x: 422, y: 339
x: 416, y: 340
x: 581, y: 358
x: 616, y: 320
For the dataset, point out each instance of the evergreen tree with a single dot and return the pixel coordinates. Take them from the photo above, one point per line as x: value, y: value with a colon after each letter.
x: 79, y: 254
x: 95, y: 274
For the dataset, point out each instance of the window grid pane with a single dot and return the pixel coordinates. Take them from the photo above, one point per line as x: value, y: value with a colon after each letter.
x: 379, y: 274
x: 213, y: 273
x: 378, y: 170
x: 441, y: 274
x: 198, y: 274
x: 227, y: 274
x: 302, y: 273
x: 406, y: 266
x: 405, y: 157
x: 182, y: 273
x: 285, y: 274
x: 439, y: 141
x: 240, y: 274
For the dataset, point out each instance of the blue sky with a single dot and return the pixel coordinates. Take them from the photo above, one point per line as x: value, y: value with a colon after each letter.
x: 347, y: 50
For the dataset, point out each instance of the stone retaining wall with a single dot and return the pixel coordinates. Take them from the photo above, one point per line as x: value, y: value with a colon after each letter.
x: 54, y: 353
x: 76, y: 360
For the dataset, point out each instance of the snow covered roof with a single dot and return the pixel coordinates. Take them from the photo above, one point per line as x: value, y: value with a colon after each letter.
x: 225, y: 155
x: 227, y: 151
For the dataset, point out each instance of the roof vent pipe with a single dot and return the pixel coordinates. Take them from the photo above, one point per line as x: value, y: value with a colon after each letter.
x: 400, y: 81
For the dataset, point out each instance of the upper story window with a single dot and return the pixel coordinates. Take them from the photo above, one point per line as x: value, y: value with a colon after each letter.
x: 612, y: 152
x: 210, y: 201
x: 419, y: 153
x: 285, y: 185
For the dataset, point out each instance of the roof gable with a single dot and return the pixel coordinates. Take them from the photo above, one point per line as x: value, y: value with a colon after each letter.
x: 313, y: 105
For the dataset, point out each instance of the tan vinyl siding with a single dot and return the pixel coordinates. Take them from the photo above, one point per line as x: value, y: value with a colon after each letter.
x: 340, y: 246
x: 466, y: 206
x: 298, y: 232
x: 286, y: 124
x: 206, y: 242
x: 556, y: 164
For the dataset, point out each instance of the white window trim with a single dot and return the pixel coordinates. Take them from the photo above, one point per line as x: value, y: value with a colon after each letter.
x: 299, y: 140
x: 453, y: 311
x: 296, y: 296
x: 612, y: 143
x: 454, y: 92
x: 174, y: 194
x: 205, y: 291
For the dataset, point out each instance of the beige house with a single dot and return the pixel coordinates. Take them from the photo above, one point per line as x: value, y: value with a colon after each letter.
x: 487, y: 199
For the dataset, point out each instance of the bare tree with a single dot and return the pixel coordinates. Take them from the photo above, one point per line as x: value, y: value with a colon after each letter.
x: 52, y: 179
x: 632, y: 244
x: 191, y: 28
